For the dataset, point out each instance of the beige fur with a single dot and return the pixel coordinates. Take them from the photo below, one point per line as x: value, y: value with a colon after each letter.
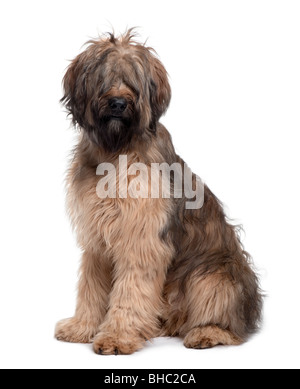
x: 93, y: 290
x: 211, y: 299
x: 209, y: 336
x: 149, y: 266
x: 106, y: 231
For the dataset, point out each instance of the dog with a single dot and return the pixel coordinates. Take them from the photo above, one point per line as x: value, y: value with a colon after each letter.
x: 150, y: 266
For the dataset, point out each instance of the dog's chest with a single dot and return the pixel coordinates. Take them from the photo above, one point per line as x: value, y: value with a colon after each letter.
x: 112, y: 207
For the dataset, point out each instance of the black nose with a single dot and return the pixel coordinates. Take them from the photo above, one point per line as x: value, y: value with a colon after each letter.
x: 118, y: 104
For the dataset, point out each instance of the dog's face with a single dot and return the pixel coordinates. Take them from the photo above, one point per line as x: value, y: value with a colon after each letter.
x: 116, y: 89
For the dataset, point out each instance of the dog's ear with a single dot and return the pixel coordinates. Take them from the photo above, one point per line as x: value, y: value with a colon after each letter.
x: 160, y: 91
x: 74, y: 85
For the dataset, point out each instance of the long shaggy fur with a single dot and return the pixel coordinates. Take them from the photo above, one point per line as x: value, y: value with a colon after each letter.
x: 150, y: 267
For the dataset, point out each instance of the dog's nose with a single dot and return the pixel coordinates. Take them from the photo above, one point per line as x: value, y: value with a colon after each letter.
x: 118, y: 104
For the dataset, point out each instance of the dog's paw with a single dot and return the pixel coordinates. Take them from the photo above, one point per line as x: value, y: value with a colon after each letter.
x: 208, y: 337
x: 74, y: 331
x: 105, y: 344
x: 201, y: 344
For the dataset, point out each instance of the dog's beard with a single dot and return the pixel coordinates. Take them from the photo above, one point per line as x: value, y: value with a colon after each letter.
x: 113, y: 134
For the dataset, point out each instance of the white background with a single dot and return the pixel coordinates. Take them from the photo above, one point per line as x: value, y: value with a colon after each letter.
x: 235, y: 73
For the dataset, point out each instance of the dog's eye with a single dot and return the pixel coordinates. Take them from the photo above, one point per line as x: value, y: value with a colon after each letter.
x: 135, y: 91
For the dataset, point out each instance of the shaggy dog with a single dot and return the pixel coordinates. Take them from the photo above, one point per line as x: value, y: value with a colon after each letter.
x: 150, y: 267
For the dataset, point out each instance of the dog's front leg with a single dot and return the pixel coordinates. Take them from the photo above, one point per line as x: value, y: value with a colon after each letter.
x: 93, y: 290
x: 135, y: 300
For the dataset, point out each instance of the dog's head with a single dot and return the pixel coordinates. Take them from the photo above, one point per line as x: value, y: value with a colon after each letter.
x: 115, y: 89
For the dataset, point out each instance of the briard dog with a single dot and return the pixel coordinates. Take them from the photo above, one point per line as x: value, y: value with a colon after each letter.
x: 150, y: 266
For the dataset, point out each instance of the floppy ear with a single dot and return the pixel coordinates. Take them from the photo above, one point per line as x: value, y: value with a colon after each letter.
x: 160, y: 91
x: 75, y: 90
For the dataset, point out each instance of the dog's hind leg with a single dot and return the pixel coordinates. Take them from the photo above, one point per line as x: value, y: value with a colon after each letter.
x: 212, y: 294
x: 208, y: 313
